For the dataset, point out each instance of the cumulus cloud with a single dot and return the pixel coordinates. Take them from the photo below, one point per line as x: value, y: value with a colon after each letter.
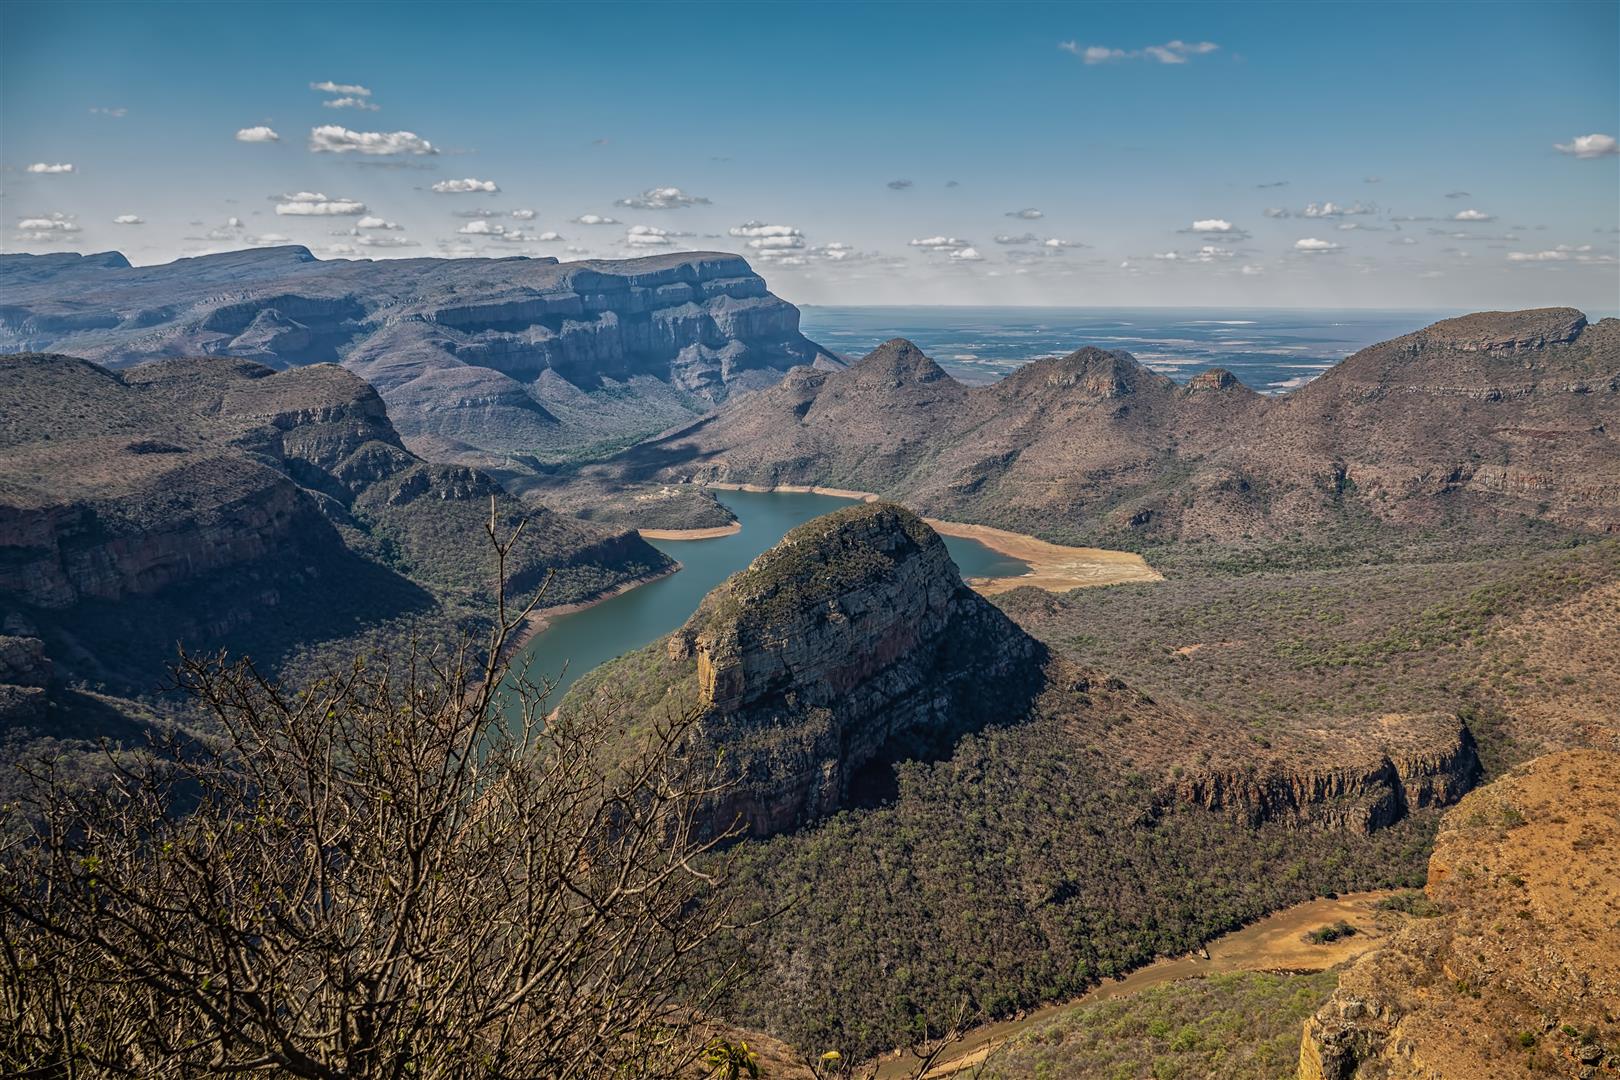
x: 1056, y: 242
x: 466, y: 186
x: 940, y: 243
x: 647, y: 236
x: 352, y: 103
x: 1589, y: 146
x: 899, y: 185
x: 1212, y: 225
x: 1171, y: 52
x: 523, y: 215
x: 266, y: 240
x: 330, y: 87
x: 1472, y: 215
x: 370, y: 222
x: 1313, y: 245
x: 549, y: 237
x: 129, y: 219
x: 594, y: 219
x: 43, y: 168
x: 762, y: 237
x: 967, y: 254
x: 662, y: 198
x: 1019, y: 238
x: 481, y: 227
x: 46, y: 226
x: 337, y: 139
x: 257, y: 134
x: 114, y: 111
x: 1277, y: 212
x: 1028, y: 213
x: 478, y: 211
x: 316, y: 204
x: 1332, y: 209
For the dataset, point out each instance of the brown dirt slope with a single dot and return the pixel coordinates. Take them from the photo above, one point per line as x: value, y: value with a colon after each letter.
x: 1520, y: 974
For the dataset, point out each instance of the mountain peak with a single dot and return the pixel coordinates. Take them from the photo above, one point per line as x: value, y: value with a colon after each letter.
x: 897, y: 362
x: 1097, y: 373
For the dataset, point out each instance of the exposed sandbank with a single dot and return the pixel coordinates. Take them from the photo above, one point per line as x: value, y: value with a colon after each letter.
x: 692, y: 534
x: 1052, y: 567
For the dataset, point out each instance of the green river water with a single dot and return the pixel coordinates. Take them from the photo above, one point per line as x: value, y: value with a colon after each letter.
x: 576, y: 643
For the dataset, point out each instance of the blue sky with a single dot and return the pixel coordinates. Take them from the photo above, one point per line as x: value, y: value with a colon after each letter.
x: 856, y: 153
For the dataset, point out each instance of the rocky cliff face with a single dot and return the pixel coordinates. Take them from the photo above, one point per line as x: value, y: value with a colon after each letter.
x: 191, y: 498
x: 497, y: 354
x: 1494, y: 414
x: 1519, y: 972
x: 1432, y: 764
x: 849, y: 645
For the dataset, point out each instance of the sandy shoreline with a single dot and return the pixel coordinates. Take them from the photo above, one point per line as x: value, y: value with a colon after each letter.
x: 1052, y: 567
x: 692, y: 534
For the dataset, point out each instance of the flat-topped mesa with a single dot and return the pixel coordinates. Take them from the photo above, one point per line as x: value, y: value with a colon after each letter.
x: 1485, y: 331
x: 851, y: 644
x: 497, y: 354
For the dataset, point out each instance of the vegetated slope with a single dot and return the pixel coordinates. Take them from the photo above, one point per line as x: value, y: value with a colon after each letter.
x: 1520, y: 973
x: 507, y: 355
x: 954, y: 811
x: 1489, y: 415
x: 215, y: 502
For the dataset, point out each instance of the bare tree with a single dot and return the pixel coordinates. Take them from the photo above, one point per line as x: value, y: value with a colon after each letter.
x: 406, y: 869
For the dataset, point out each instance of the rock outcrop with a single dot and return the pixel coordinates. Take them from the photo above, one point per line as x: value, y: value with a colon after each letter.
x: 496, y: 354
x: 187, y: 499
x: 851, y: 644
x: 1414, y: 763
x: 1498, y: 414
x: 1519, y: 973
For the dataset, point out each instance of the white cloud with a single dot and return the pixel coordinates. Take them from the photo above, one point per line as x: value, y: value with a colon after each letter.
x: 762, y: 237
x: 47, y: 225
x: 337, y: 139
x: 266, y: 240
x: 469, y: 185
x: 594, y: 219
x: 330, y: 87
x: 1251, y: 270
x: 523, y: 215
x: 1213, y: 225
x: 1472, y: 215
x: 481, y: 227
x: 1589, y: 146
x: 1171, y: 52
x: 370, y: 222
x: 940, y: 243
x: 1277, y: 212
x: 316, y: 204
x: 386, y: 241
x: 1055, y: 242
x: 647, y: 236
x: 129, y: 219
x: 47, y: 169
x: 115, y: 111
x: 662, y: 198
x: 1582, y: 253
x: 1167, y: 256
x: 967, y: 254
x: 352, y: 103
x: 1020, y: 238
x: 1028, y: 213
x: 549, y: 237
x: 257, y: 134
x: 1312, y: 244
x: 1538, y: 256
x: 1333, y: 209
